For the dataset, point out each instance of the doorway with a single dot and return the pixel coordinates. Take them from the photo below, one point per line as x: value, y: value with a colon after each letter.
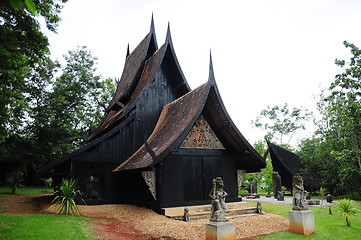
x: 198, y: 173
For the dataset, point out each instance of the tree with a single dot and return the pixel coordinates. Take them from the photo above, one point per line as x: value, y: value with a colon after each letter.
x: 71, y: 106
x: 263, y: 178
x: 280, y: 122
x: 266, y: 173
x: 337, y: 143
x: 43, y: 117
x: 22, y: 46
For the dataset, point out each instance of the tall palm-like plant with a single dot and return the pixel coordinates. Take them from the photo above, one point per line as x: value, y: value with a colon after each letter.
x: 66, y: 195
x: 347, y: 208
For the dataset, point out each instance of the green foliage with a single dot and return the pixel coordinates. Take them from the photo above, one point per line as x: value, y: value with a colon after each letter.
x: 281, y: 121
x: 348, y: 195
x: 29, y: 4
x: 55, y: 227
x: 66, y: 195
x: 60, y: 111
x: 48, y: 183
x: 264, y: 178
x: 347, y: 209
x: 23, y: 191
x: 334, y: 153
x: 322, y: 191
x: 22, y: 47
x: 23, y: 51
x: 79, y: 97
x: 246, y: 184
x: 71, y: 105
x: 15, y: 181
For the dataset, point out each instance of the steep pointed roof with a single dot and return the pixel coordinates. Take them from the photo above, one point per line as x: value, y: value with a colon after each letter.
x: 211, y: 77
x: 226, y: 130
x: 283, y: 158
x: 287, y: 164
x: 140, y: 68
x: 170, y: 132
x: 133, y: 66
x: 174, y: 60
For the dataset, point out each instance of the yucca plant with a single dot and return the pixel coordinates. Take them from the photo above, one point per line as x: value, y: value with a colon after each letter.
x: 347, y: 208
x: 66, y: 195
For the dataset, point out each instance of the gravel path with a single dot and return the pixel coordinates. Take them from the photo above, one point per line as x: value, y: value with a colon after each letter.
x: 153, y: 224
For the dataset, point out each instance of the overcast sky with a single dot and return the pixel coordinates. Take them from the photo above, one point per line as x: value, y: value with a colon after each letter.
x: 264, y: 52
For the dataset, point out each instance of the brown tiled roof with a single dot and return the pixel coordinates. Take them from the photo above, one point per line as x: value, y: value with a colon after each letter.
x: 151, y: 67
x: 132, y: 69
x: 225, y: 127
x: 133, y: 64
x: 169, y: 128
x: 175, y: 122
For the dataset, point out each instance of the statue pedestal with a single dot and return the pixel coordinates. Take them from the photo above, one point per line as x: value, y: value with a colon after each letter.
x: 220, y: 231
x: 302, y: 222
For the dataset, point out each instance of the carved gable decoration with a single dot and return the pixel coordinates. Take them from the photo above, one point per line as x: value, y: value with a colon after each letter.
x: 201, y: 136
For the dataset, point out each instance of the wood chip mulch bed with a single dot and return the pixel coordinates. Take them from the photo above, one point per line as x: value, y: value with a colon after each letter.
x: 117, y: 221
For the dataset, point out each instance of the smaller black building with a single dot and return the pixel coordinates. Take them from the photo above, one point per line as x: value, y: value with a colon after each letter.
x: 287, y: 164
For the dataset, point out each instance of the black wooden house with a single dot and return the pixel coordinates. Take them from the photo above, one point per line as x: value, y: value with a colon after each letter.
x: 160, y: 143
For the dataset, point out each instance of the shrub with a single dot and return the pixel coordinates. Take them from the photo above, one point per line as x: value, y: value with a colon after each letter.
x: 48, y: 183
x: 347, y: 208
x: 66, y: 195
x: 15, y: 181
x: 322, y: 191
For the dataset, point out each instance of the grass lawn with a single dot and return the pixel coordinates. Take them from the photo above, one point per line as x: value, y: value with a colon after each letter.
x: 25, y: 191
x: 44, y: 227
x: 41, y: 226
x: 327, y: 226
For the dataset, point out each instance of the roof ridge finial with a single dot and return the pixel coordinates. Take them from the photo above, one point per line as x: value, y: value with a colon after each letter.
x: 152, y: 28
x: 211, y: 78
x: 128, y: 52
x: 168, y: 37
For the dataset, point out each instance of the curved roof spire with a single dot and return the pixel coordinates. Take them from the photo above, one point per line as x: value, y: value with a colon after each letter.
x: 211, y: 78
x: 168, y: 38
x: 152, y: 28
x: 152, y: 31
x: 128, y: 52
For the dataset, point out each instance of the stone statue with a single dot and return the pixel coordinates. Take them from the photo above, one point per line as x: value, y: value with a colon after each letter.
x: 280, y: 196
x: 277, y: 183
x: 259, y: 208
x: 254, y: 187
x: 218, y: 196
x: 186, y: 215
x: 329, y: 198
x: 299, y: 193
